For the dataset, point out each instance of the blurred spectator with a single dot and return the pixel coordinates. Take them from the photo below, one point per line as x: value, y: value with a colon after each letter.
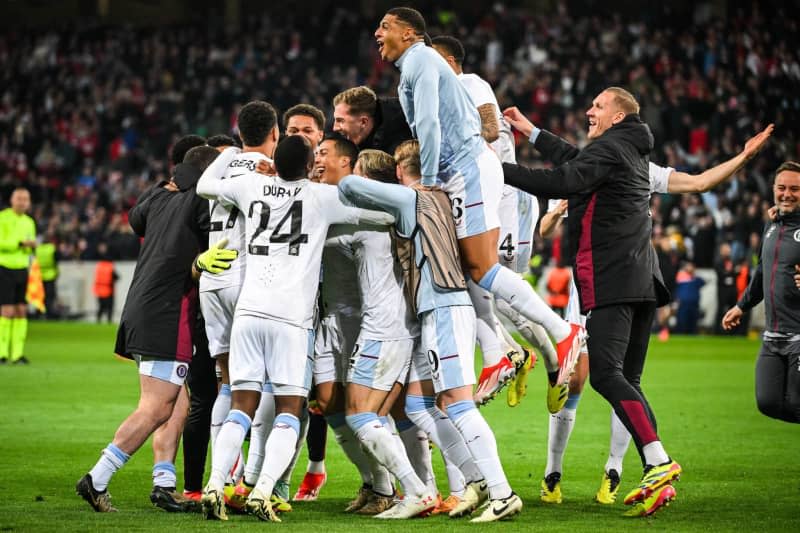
x: 105, y: 276
x: 727, y: 292
x: 687, y: 294
x: 558, y: 288
x: 46, y: 254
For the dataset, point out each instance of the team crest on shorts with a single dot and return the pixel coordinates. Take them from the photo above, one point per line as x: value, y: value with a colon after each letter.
x: 181, y: 371
x: 796, y: 236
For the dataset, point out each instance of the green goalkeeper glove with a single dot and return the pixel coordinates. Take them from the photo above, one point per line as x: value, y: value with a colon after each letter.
x: 216, y: 259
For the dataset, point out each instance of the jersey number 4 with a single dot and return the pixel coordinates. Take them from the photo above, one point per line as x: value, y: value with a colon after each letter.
x: 294, y: 217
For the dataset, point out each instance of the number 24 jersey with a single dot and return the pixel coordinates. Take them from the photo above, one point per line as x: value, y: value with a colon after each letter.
x: 286, y: 223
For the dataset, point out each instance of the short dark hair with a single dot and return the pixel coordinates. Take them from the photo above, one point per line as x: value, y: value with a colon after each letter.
x: 215, y: 141
x: 791, y: 166
x: 256, y: 119
x: 201, y: 156
x: 451, y: 46
x: 194, y: 163
x: 183, y: 145
x: 344, y: 147
x: 305, y: 110
x: 411, y: 17
x: 293, y: 156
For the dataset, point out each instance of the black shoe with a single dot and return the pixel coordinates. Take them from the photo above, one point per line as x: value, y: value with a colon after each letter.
x: 167, y: 498
x: 22, y: 361
x: 3, y: 360
x: 99, y: 500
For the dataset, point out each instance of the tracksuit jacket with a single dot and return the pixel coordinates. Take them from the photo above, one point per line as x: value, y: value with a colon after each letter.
x: 609, y: 225
x: 773, y: 280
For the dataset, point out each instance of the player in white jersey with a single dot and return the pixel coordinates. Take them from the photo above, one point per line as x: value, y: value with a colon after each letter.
x: 518, y: 212
x: 662, y: 180
x: 308, y: 121
x: 219, y: 292
x: 272, y: 337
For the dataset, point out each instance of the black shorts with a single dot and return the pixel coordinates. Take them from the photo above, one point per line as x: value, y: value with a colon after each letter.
x: 13, y: 285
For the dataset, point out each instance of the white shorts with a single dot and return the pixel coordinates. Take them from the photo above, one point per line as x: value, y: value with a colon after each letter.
x: 336, y: 338
x: 475, y: 193
x: 217, y: 307
x: 519, y: 212
x: 380, y: 364
x: 448, y: 341
x: 268, y: 350
x: 420, y: 369
x: 164, y: 369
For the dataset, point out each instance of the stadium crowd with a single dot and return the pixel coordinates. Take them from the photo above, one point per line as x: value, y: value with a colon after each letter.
x: 87, y: 114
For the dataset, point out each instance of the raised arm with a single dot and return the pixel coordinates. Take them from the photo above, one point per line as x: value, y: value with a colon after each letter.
x: 425, y: 86
x: 552, y: 219
x: 552, y: 147
x: 208, y: 186
x: 681, y: 182
x: 490, y: 127
x: 396, y: 200
x: 582, y: 174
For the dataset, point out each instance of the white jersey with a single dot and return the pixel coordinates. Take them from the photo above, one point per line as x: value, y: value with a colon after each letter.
x: 481, y: 94
x: 340, y: 293
x: 659, y: 182
x: 228, y: 222
x: 385, y: 314
x: 286, y: 225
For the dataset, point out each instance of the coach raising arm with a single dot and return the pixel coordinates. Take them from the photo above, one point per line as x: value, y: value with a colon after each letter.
x: 615, y: 266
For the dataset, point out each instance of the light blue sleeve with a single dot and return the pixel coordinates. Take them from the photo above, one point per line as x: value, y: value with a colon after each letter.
x: 397, y: 200
x: 534, y: 135
x: 425, y: 88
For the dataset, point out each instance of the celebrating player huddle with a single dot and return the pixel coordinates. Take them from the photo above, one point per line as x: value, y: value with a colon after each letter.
x: 363, y: 279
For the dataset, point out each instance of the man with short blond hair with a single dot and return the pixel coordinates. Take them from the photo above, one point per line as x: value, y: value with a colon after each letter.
x: 616, y: 270
x: 369, y: 121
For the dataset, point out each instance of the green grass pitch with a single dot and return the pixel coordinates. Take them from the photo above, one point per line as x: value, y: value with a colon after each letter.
x: 741, y: 469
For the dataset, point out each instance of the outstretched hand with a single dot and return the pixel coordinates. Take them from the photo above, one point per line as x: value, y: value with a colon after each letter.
x: 756, y: 143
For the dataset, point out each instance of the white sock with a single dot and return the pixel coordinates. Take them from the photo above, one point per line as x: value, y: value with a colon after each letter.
x: 482, y: 445
x: 561, y: 425
x: 298, y: 447
x: 654, y: 453
x: 111, y: 460
x: 440, y: 429
x: 350, y: 445
x: 510, y: 342
x: 506, y: 284
x: 164, y: 475
x: 531, y: 332
x: 380, y: 444
x: 491, y: 347
x: 228, y: 447
x: 222, y: 405
x: 259, y: 431
x: 620, y: 440
x: 455, y: 479
x: 417, y: 446
x: 278, y: 451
